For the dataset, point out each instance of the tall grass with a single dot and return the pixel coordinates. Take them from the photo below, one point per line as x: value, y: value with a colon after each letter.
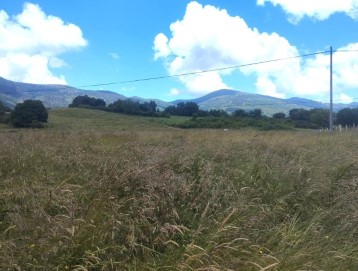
x: 149, y: 199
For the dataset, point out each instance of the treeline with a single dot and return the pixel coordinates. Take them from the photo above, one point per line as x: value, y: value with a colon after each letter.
x: 319, y: 118
x: 237, y: 120
x: 33, y: 114
x: 297, y: 118
x: 120, y: 106
x: 347, y: 117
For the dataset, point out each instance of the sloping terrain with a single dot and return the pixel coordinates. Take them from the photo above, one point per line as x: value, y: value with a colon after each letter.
x: 55, y: 96
x: 52, y: 96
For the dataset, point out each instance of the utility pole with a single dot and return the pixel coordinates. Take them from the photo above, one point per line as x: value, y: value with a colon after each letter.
x: 331, y: 92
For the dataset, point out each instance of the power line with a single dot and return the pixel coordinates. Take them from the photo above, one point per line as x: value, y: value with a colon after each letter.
x: 197, y: 72
x: 205, y: 71
x: 346, y: 51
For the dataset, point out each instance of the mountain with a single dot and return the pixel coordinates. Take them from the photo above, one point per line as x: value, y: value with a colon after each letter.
x: 307, y: 103
x: 161, y: 105
x: 212, y: 95
x: 229, y: 100
x: 12, y: 93
x: 314, y: 104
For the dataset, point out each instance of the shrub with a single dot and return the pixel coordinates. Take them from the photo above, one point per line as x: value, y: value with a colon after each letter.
x: 4, y: 113
x: 348, y: 116
x: 83, y: 101
x: 29, y: 114
x: 279, y: 115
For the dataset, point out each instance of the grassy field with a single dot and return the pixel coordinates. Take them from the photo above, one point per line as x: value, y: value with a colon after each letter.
x: 101, y: 191
x: 76, y: 119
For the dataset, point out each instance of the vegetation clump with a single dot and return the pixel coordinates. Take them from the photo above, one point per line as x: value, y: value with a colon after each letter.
x: 135, y: 108
x: 348, y: 117
x: 4, y: 113
x: 126, y: 106
x: 87, y: 102
x: 29, y: 114
x: 183, y: 109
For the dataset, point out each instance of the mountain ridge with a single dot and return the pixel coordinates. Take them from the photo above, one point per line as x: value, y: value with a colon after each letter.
x: 55, y: 95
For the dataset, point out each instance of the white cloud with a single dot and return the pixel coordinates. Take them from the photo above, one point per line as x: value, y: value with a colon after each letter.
x: 204, y: 82
x: 161, y: 46
x: 345, y: 66
x: 55, y: 62
x: 209, y: 38
x: 317, y: 9
x: 266, y: 87
x: 343, y: 98
x: 174, y: 92
x: 31, y: 42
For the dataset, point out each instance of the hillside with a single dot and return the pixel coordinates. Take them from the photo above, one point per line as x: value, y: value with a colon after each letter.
x: 79, y: 119
x: 230, y: 100
x: 55, y: 96
x: 52, y: 96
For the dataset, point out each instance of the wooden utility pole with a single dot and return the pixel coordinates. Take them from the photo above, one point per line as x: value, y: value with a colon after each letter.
x: 331, y: 93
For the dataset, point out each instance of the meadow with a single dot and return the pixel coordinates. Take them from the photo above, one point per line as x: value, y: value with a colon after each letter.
x: 103, y: 191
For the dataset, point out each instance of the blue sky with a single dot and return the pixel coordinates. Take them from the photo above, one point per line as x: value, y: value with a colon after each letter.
x: 83, y: 43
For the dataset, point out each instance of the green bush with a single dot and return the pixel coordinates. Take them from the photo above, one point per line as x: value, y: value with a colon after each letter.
x: 4, y: 113
x: 29, y: 114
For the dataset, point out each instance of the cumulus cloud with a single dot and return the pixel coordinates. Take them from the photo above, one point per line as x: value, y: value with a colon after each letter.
x: 208, y: 38
x: 161, y: 46
x: 31, y: 42
x: 317, y: 9
x: 268, y: 87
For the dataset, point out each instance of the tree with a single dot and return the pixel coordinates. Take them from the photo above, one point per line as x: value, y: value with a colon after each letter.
x: 240, y: 113
x: 30, y: 113
x: 171, y: 110
x: 133, y: 107
x: 85, y: 101
x: 4, y: 111
x: 299, y: 114
x: 279, y: 115
x: 319, y: 117
x: 125, y: 106
x: 256, y: 113
x: 218, y: 113
x: 148, y: 107
x: 183, y: 109
x: 347, y: 116
x: 187, y: 108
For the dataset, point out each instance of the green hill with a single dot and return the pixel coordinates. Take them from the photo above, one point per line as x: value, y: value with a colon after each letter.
x: 75, y: 119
